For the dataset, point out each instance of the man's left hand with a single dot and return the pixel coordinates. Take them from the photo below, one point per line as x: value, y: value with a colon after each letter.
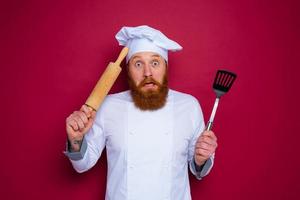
x: 205, y: 147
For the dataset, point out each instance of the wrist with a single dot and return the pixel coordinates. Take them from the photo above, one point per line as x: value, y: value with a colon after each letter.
x: 74, y: 145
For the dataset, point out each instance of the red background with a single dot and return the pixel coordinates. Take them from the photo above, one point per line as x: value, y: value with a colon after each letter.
x: 53, y: 52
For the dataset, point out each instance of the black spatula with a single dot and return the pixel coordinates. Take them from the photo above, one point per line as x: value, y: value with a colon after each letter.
x: 222, y: 83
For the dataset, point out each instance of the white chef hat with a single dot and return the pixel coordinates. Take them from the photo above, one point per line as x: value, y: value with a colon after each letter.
x: 144, y: 38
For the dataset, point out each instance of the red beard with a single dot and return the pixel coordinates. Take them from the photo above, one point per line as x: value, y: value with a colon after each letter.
x: 150, y: 99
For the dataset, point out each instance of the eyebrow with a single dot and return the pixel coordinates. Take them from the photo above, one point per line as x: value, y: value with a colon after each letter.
x: 134, y: 57
x: 155, y: 55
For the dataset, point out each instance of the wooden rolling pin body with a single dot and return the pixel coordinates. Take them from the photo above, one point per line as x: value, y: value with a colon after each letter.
x: 105, y: 82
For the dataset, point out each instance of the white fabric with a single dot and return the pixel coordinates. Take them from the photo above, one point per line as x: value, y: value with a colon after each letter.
x: 148, y: 152
x: 145, y: 39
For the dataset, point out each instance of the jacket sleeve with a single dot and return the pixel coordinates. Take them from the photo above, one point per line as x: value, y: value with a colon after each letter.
x: 201, y: 171
x: 199, y: 126
x: 76, y: 155
x: 91, y: 147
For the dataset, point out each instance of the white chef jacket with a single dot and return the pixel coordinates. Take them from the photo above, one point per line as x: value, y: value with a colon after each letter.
x: 148, y: 152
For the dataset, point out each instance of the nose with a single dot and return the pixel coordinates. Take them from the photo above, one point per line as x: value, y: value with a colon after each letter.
x: 147, y: 70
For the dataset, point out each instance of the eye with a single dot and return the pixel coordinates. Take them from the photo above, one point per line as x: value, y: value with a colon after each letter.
x: 155, y: 63
x: 138, y: 64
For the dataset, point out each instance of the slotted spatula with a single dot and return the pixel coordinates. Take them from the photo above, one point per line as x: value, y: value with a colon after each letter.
x: 222, y: 83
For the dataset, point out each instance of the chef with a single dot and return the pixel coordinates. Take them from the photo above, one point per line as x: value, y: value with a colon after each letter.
x: 152, y: 134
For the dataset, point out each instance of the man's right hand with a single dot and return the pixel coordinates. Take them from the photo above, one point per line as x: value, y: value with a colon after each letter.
x: 78, y: 124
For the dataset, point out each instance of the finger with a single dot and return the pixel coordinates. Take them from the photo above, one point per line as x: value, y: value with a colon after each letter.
x: 203, y: 145
x: 205, y: 133
x: 212, y: 135
x: 210, y: 141
x: 79, y: 122
x: 83, y: 117
x: 69, y: 118
x: 87, y: 110
x: 72, y: 123
x: 206, y: 147
x: 207, y: 140
x: 206, y: 137
x: 209, y: 133
x: 202, y: 152
x: 210, y: 149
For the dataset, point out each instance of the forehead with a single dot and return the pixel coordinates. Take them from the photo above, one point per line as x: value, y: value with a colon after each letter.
x: 145, y: 55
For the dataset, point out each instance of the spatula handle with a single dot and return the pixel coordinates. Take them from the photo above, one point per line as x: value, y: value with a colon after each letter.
x: 212, y: 115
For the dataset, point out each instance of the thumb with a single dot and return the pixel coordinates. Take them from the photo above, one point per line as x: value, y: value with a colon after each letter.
x: 208, y: 133
x: 87, y: 110
x: 91, y: 119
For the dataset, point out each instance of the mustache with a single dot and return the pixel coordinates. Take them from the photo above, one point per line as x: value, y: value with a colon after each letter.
x: 148, y: 80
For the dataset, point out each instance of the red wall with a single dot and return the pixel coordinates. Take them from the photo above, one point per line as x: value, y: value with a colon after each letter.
x: 53, y: 52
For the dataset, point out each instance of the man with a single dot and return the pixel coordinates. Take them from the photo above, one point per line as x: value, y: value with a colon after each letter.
x: 152, y: 134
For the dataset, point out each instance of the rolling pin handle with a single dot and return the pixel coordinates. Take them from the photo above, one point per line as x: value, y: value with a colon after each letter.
x: 122, y: 55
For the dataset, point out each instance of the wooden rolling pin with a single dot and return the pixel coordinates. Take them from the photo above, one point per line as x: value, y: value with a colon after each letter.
x: 105, y: 82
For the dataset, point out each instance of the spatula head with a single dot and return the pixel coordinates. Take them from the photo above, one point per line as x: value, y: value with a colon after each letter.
x: 223, y: 82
